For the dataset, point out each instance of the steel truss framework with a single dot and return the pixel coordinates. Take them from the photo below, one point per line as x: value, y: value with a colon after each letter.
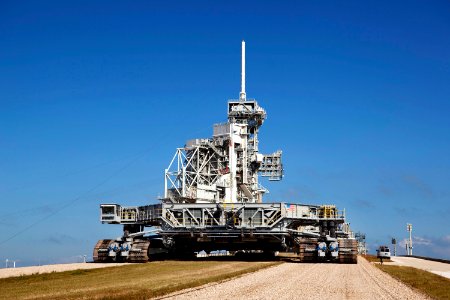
x: 222, y: 218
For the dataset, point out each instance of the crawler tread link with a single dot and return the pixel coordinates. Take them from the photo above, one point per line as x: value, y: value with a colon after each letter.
x: 101, y: 251
x: 348, y: 251
x: 307, y: 249
x: 213, y: 200
x: 139, y: 252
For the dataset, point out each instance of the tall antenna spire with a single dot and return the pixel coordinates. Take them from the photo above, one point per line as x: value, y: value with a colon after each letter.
x: 242, y: 95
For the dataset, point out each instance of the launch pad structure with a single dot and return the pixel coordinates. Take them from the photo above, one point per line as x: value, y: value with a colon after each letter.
x: 213, y: 200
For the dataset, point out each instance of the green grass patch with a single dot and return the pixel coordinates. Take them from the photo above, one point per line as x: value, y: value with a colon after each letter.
x: 134, y: 281
x: 374, y: 258
x: 435, y: 286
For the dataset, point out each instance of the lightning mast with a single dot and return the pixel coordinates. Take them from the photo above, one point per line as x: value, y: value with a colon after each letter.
x: 242, y: 95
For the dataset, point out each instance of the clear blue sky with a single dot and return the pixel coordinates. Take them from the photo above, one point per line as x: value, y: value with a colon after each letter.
x: 96, y: 95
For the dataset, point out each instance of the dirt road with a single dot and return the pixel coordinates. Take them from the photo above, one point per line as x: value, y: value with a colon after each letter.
x: 435, y: 267
x: 307, y: 281
x: 12, y: 272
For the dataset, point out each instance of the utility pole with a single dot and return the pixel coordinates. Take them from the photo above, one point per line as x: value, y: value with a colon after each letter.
x: 394, y: 242
x: 409, y: 246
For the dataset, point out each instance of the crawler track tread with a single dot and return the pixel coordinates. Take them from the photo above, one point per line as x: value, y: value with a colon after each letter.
x: 348, y: 252
x: 100, y: 254
x: 139, y: 252
x: 304, y: 249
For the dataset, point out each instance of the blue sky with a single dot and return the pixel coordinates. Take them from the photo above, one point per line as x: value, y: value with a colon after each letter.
x: 96, y: 95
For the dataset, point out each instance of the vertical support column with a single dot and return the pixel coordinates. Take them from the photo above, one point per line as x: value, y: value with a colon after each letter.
x: 232, y: 165
x: 183, y: 188
x: 165, y: 183
x: 244, y: 158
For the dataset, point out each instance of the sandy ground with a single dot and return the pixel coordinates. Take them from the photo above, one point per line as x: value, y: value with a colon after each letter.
x: 435, y: 267
x: 11, y: 272
x: 307, y: 281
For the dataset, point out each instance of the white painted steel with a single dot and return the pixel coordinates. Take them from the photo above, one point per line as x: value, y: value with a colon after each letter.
x: 242, y: 95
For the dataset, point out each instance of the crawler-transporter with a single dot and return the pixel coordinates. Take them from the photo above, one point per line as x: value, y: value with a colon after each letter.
x: 213, y: 201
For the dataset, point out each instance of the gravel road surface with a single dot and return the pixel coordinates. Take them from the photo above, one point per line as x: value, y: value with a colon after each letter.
x: 12, y: 272
x: 435, y: 267
x: 307, y: 281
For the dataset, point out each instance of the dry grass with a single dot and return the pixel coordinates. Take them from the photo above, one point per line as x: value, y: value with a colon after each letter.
x: 140, y: 281
x: 374, y: 258
x: 435, y: 286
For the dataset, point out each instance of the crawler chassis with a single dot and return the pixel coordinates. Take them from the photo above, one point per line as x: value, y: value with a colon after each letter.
x: 316, y: 233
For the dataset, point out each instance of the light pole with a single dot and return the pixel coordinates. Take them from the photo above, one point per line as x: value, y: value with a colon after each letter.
x: 409, y: 246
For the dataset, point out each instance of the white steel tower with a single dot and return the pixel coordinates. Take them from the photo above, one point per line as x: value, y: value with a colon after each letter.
x: 224, y: 168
